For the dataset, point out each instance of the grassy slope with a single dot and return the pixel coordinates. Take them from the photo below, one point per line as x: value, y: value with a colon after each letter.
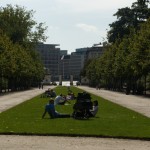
x: 112, y: 120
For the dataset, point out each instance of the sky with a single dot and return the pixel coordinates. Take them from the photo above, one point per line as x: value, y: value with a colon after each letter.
x: 73, y: 23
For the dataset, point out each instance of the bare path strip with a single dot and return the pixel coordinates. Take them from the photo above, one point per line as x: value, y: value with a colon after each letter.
x: 137, y: 103
x: 13, y: 142
x: 13, y: 99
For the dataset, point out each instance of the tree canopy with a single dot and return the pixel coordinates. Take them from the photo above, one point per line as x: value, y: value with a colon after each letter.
x: 20, y: 66
x: 18, y: 24
x: 125, y: 63
x: 127, y: 18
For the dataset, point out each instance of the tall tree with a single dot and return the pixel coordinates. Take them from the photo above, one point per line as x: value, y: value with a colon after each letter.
x: 122, y: 26
x: 141, y: 12
x: 91, y: 72
x: 19, y: 62
x: 18, y: 24
x: 128, y: 18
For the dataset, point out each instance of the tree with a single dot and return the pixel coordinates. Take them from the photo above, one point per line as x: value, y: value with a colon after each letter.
x: 83, y: 71
x: 128, y: 18
x: 91, y: 72
x: 20, y: 64
x: 125, y: 63
x: 122, y: 26
x: 18, y: 25
x: 139, y: 57
x: 141, y: 11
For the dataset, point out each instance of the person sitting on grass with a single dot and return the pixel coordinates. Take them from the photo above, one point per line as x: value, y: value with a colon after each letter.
x: 50, y: 109
x: 60, y: 100
x: 94, y: 109
x: 52, y: 93
x: 47, y: 92
x: 70, y: 96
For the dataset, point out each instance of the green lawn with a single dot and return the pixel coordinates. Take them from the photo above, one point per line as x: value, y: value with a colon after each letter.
x: 111, y: 121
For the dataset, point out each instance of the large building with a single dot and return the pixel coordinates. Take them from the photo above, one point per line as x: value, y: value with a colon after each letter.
x: 91, y: 52
x: 50, y: 56
x: 76, y: 64
x: 94, y: 52
x: 63, y: 52
x: 57, y: 62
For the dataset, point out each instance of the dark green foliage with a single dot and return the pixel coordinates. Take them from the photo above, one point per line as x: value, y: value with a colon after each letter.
x: 20, y: 66
x: 125, y: 64
x: 18, y: 24
x: 127, y: 19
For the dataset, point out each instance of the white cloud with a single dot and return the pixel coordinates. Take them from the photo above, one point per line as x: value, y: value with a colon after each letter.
x: 87, y: 28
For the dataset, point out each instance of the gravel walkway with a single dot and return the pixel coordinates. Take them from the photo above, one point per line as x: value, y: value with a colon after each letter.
x: 13, y: 142
x: 12, y: 99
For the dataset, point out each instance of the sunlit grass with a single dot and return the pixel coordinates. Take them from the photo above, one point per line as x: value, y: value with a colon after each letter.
x: 112, y: 120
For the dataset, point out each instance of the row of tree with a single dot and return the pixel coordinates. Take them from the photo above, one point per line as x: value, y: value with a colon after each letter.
x: 125, y: 63
x: 20, y: 65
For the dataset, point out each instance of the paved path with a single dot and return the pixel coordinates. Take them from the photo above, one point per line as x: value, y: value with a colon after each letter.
x: 12, y: 99
x: 13, y: 142
x: 137, y: 103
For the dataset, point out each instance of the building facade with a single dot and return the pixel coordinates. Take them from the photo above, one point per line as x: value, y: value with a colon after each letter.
x: 76, y: 64
x: 94, y: 52
x: 50, y: 56
x: 58, y: 62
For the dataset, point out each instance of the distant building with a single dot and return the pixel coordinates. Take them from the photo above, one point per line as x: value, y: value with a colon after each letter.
x: 63, y: 52
x: 58, y: 62
x: 76, y: 64
x: 94, y: 52
x: 50, y: 56
x: 82, y: 50
x: 90, y: 53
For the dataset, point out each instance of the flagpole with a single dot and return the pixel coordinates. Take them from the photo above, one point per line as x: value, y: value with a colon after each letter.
x: 63, y: 68
x: 62, y: 58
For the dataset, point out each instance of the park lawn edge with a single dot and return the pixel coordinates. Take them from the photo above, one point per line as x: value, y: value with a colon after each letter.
x: 77, y: 135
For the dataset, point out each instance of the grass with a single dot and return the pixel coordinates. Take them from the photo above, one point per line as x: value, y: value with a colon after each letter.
x: 112, y: 120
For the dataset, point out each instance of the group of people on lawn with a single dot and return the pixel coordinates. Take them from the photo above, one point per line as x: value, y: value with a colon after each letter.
x: 61, y: 100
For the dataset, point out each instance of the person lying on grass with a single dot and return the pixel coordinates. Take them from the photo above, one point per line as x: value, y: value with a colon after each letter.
x: 50, y: 109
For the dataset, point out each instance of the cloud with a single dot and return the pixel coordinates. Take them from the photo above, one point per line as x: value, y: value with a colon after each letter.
x: 87, y: 28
